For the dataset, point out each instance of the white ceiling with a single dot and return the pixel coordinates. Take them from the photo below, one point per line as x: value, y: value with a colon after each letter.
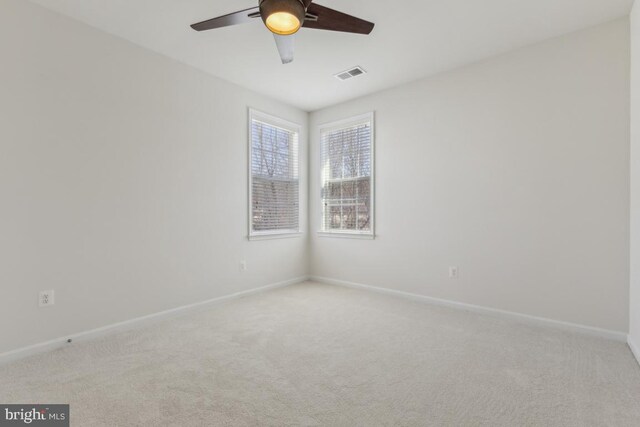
x: 412, y: 39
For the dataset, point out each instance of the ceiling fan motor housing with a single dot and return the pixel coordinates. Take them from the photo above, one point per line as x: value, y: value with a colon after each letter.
x: 293, y: 7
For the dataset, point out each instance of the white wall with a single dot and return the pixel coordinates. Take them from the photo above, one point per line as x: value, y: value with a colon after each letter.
x: 123, y: 181
x: 634, y: 328
x: 516, y: 170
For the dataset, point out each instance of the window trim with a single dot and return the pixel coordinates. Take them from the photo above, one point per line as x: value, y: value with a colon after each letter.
x: 336, y: 125
x: 269, y: 119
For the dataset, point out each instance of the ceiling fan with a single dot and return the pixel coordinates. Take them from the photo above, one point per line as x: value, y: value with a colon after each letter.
x: 285, y: 17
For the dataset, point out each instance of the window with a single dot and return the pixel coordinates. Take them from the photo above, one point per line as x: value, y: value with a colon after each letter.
x: 346, y: 153
x: 274, y: 193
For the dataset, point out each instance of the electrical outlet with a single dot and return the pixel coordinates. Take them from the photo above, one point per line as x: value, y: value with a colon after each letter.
x: 243, y: 265
x: 46, y: 298
x: 453, y: 272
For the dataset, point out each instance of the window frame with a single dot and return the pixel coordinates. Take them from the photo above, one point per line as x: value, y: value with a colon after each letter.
x: 334, y: 126
x: 287, y: 126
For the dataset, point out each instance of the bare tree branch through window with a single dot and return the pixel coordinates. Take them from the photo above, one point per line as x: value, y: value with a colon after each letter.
x: 275, y: 183
x: 346, y: 158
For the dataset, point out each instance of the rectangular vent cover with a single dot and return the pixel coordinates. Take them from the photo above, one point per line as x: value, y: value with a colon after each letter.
x: 354, y: 72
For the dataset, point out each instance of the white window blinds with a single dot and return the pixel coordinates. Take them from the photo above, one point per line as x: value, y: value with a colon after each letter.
x: 274, y: 181
x: 347, y: 176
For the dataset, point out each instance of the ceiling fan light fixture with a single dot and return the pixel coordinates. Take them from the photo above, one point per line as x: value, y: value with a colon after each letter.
x: 285, y: 17
x: 282, y: 23
x: 282, y: 17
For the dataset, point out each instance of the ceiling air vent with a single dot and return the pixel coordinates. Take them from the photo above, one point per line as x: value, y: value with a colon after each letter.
x: 354, y: 72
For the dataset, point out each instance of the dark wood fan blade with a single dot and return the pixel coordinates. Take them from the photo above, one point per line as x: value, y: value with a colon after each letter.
x: 241, y: 17
x: 285, y: 47
x: 332, y: 20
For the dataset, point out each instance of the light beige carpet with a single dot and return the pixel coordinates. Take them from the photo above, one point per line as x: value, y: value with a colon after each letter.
x: 316, y: 354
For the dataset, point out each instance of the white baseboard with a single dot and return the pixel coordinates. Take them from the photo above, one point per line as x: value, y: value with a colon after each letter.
x: 21, y: 353
x: 574, y: 327
x: 634, y: 349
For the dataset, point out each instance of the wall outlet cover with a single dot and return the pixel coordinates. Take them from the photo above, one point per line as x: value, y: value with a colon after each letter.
x: 46, y: 298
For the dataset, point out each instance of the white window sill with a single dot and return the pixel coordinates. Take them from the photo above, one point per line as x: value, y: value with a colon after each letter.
x: 346, y: 235
x: 269, y: 236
